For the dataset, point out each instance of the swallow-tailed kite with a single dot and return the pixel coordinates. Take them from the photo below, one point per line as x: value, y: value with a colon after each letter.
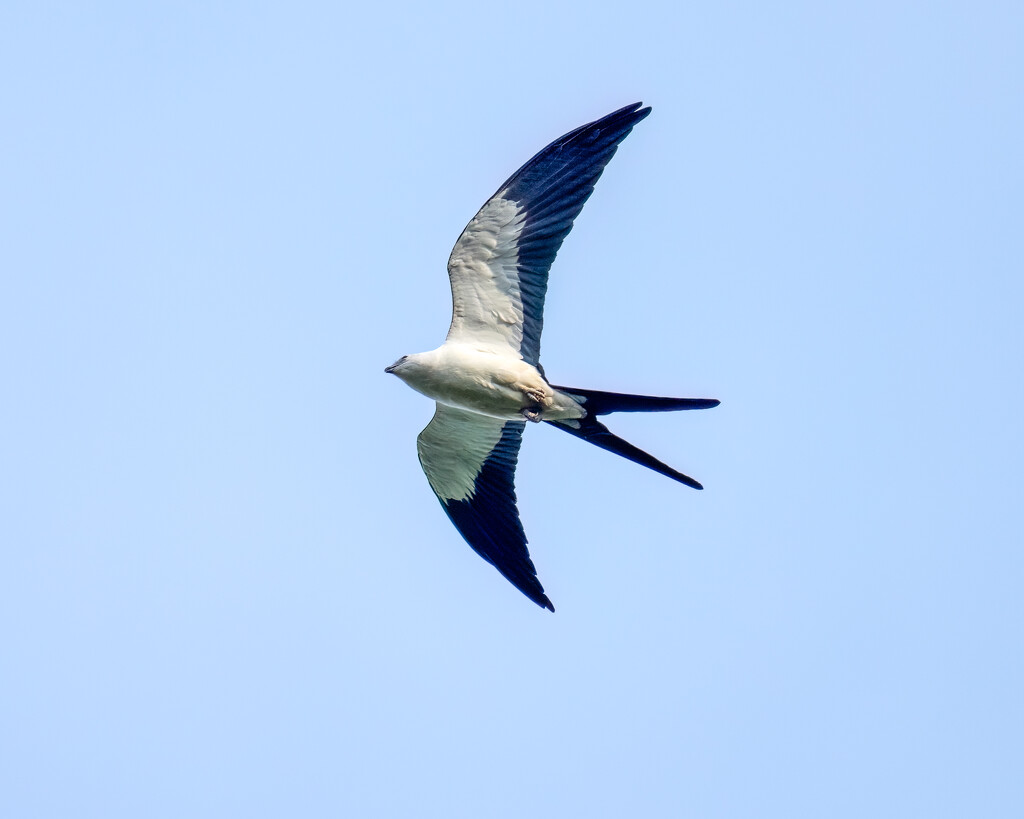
x: 487, y: 379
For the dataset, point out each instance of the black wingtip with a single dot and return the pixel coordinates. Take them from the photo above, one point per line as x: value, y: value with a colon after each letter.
x: 628, y: 115
x: 533, y: 590
x: 634, y: 108
x: 536, y: 595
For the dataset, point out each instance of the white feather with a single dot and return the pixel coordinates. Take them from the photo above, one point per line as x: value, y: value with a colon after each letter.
x: 453, y: 448
x: 487, y: 307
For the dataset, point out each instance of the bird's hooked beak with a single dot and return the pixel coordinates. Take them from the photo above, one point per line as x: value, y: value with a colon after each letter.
x: 391, y: 369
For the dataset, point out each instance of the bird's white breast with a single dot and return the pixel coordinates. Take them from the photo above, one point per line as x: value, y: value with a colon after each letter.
x: 490, y: 382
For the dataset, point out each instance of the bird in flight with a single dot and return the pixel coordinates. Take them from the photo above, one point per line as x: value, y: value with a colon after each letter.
x: 487, y: 379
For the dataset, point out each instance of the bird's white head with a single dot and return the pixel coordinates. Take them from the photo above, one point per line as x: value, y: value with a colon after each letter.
x: 415, y: 370
x: 394, y: 368
x: 407, y: 367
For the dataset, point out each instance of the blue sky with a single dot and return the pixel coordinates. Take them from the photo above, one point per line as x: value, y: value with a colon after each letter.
x: 226, y: 589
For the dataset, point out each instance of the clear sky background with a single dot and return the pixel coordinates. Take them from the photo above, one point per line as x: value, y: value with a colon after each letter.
x: 226, y: 588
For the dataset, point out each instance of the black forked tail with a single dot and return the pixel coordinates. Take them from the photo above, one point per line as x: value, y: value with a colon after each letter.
x: 603, y: 403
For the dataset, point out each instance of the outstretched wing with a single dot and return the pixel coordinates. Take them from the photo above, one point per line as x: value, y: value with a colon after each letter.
x: 470, y: 462
x: 499, y: 266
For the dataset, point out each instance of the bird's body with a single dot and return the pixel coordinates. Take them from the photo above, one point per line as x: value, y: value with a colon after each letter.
x: 486, y: 378
x: 494, y: 383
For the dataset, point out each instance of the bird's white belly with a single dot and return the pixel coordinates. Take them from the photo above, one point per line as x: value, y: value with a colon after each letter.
x: 491, y: 384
